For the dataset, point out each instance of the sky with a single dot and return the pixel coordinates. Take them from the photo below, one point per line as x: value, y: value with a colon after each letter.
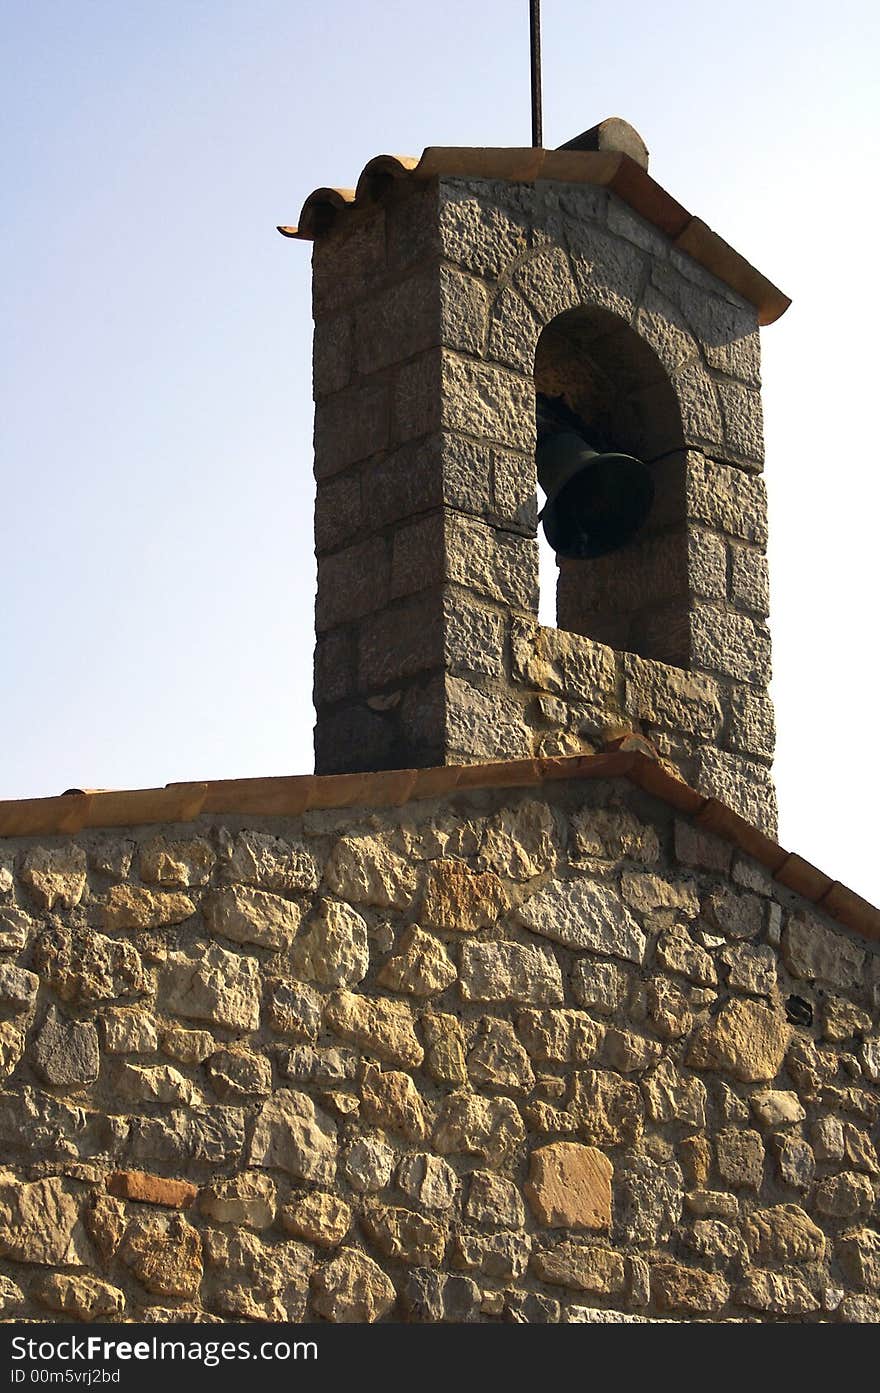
x: 156, y: 567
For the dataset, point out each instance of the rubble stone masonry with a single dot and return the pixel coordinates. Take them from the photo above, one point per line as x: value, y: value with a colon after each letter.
x: 542, y: 1055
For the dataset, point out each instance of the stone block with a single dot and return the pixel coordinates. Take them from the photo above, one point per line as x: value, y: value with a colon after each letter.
x: 698, y: 402
x: 503, y: 971
x: 332, y: 354
x: 355, y: 738
x: 55, y: 877
x: 352, y: 1287
x: 338, y: 511
x: 664, y: 327
x: 494, y: 1202
x: 816, y: 952
x: 490, y: 1128
x: 412, y: 225
x: 514, y: 499
x: 750, y: 727
x: 581, y: 1267
x: 743, y: 418
x: 82, y: 966
x: 584, y: 914
x: 352, y: 583
x: 476, y: 233
x: 512, y: 331
x: 545, y: 281
x: 416, y: 398
x: 498, y: 565
x: 65, y: 1052
x: 350, y: 426
x: 473, y: 639
x: 210, y: 984
x: 608, y: 270
x: 687, y: 1289
x: 707, y: 564
x: 746, y: 1039
x: 383, y: 1028
x: 727, y: 331
x: 668, y: 697
x: 487, y: 403
x: 401, y: 641
x: 397, y: 321
x: 483, y: 725
x: 623, y: 221
x: 346, y: 259
x: 745, y: 786
x: 246, y: 915
x: 294, y: 1135
x: 726, y: 499
x: 335, y: 666
x: 700, y: 849
x: 464, y: 310
x: 729, y: 643
x: 749, y: 579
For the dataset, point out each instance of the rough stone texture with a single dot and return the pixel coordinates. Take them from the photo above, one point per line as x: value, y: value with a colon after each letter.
x: 510, y: 972
x: 746, y: 1039
x: 214, y: 985
x: 247, y: 1279
x: 333, y: 948
x: 489, y: 1123
x: 352, y: 1288
x: 151, y: 1189
x: 318, y: 1218
x: 80, y: 1298
x: 391, y: 1100
x: 55, y: 878
x: 457, y: 898
x: 135, y: 907
x: 581, y: 1267
x: 569, y: 1186
x: 490, y: 1128
x: 271, y: 862
x: 293, y: 1135
x: 84, y: 967
x: 422, y: 967
x: 784, y: 1234
x: 177, y: 863
x: 246, y: 915
x: 40, y: 1223
x: 65, y: 1052
x: 584, y: 915
x: 247, y: 1199
x: 383, y: 1028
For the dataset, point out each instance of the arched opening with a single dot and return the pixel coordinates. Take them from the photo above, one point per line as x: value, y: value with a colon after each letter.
x: 594, y: 375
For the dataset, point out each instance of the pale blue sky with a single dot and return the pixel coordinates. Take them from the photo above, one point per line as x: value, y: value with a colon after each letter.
x: 157, y: 565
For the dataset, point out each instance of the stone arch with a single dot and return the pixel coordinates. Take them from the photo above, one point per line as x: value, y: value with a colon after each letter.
x: 637, y: 598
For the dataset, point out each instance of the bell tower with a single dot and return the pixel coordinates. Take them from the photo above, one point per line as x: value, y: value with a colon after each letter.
x: 474, y: 306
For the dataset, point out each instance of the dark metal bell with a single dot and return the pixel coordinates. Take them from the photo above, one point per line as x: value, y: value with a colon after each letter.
x: 595, y: 502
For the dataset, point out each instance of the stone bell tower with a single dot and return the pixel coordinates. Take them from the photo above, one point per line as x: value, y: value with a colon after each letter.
x: 448, y: 292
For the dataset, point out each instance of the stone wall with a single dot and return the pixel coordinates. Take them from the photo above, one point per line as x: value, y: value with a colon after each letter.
x: 544, y: 1055
x: 429, y: 308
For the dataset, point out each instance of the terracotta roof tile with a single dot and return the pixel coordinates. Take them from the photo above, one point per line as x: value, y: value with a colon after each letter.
x: 607, y: 168
x: 292, y: 795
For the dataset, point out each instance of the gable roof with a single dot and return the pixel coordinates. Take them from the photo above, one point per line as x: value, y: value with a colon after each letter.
x: 610, y: 169
x: 290, y: 796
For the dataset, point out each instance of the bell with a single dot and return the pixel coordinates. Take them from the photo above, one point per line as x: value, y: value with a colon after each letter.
x: 595, y: 502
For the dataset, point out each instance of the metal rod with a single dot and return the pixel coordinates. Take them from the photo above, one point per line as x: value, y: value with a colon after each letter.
x: 535, y: 46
